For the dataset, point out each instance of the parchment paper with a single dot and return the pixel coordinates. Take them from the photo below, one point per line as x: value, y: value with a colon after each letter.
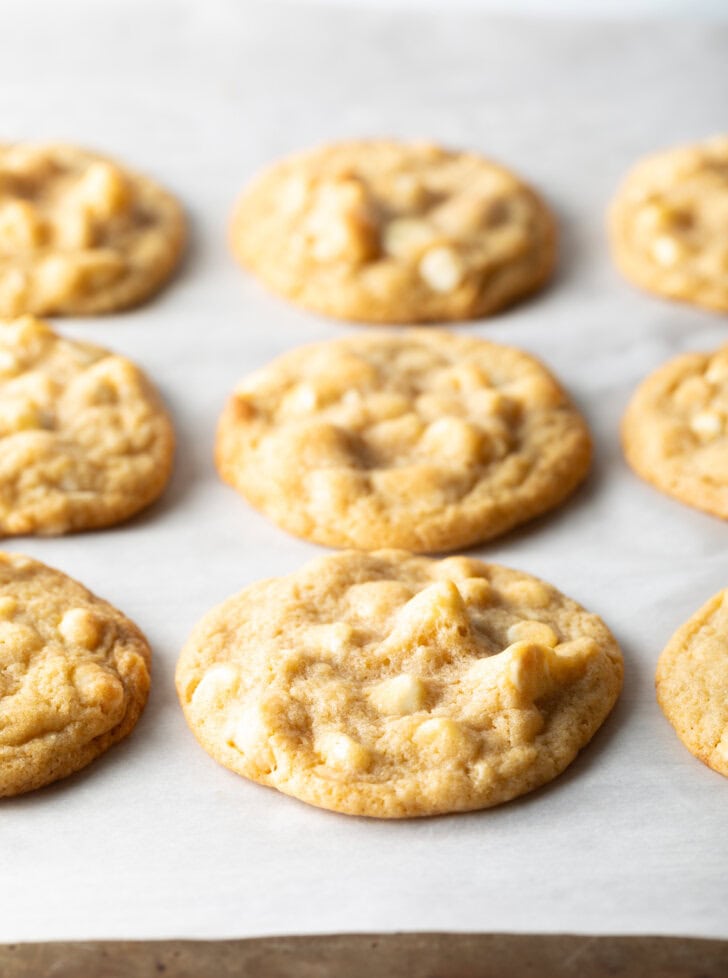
x: 155, y: 840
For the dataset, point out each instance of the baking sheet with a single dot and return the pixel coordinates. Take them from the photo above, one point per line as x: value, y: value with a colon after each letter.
x: 155, y: 840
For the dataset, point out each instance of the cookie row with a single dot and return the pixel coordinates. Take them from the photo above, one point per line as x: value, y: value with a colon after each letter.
x: 386, y: 232
x: 371, y: 230
x: 424, y: 440
x: 379, y: 684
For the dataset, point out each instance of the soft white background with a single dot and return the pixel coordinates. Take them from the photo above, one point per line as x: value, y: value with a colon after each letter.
x: 155, y: 839
x: 589, y: 9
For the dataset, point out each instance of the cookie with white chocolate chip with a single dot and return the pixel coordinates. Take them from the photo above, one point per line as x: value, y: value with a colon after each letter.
x: 79, y: 234
x: 674, y: 430
x: 74, y: 675
x: 388, y: 232
x: 85, y: 440
x: 668, y: 224
x: 389, y: 685
x: 421, y: 439
x: 692, y: 679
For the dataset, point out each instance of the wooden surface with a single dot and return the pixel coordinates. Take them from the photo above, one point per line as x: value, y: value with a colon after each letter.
x: 375, y: 956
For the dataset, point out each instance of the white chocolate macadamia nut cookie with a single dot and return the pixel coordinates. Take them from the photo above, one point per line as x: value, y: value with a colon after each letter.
x: 692, y: 683
x: 74, y: 675
x: 421, y: 439
x: 668, y: 224
x: 389, y: 685
x: 675, y: 430
x: 80, y: 235
x: 391, y: 232
x: 85, y: 441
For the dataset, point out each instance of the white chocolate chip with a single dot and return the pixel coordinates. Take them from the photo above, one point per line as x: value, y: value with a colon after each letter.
x: 707, y: 425
x: 293, y: 195
x: 441, y: 269
x: 21, y: 230
x: 80, y: 627
x: 408, y: 192
x: 301, y: 399
x: 73, y: 228
x: 532, y: 594
x: 435, y: 610
x: 443, y: 738
x: 532, y: 631
x: 527, y: 672
x: 522, y: 668
x: 458, y: 569
x: 343, y: 753
x: 399, y: 695
x: 8, y: 363
x: 95, y: 684
x: 251, y: 737
x: 667, y: 251
x: 490, y: 403
x: 14, y: 289
x: 102, y: 190
x: 330, y: 242
x: 18, y: 416
x: 454, y: 439
x: 217, y: 681
x: 468, y: 377
x: 577, y: 648
x: 717, y: 371
x: 335, y: 638
x: 340, y: 224
x: 650, y: 217
x: 56, y: 277
x: 476, y: 590
x: 407, y: 237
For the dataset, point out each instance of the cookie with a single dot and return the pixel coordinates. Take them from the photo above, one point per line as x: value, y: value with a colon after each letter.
x: 74, y: 675
x: 389, y: 685
x: 79, y: 234
x: 389, y: 232
x: 674, y: 430
x: 84, y: 438
x: 668, y: 224
x: 422, y: 439
x: 692, y: 683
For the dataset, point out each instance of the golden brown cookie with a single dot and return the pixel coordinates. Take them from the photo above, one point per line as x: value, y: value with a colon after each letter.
x: 84, y: 438
x: 79, y: 234
x: 74, y: 675
x: 668, y: 224
x: 389, y: 685
x: 674, y: 430
x: 421, y: 439
x: 389, y: 232
x: 692, y: 683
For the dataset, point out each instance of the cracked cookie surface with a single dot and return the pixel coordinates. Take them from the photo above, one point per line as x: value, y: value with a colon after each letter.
x: 391, y: 232
x: 668, y: 224
x: 692, y: 683
x: 423, y: 439
x: 85, y: 439
x: 79, y: 234
x: 675, y: 431
x: 74, y: 675
x: 390, y: 685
